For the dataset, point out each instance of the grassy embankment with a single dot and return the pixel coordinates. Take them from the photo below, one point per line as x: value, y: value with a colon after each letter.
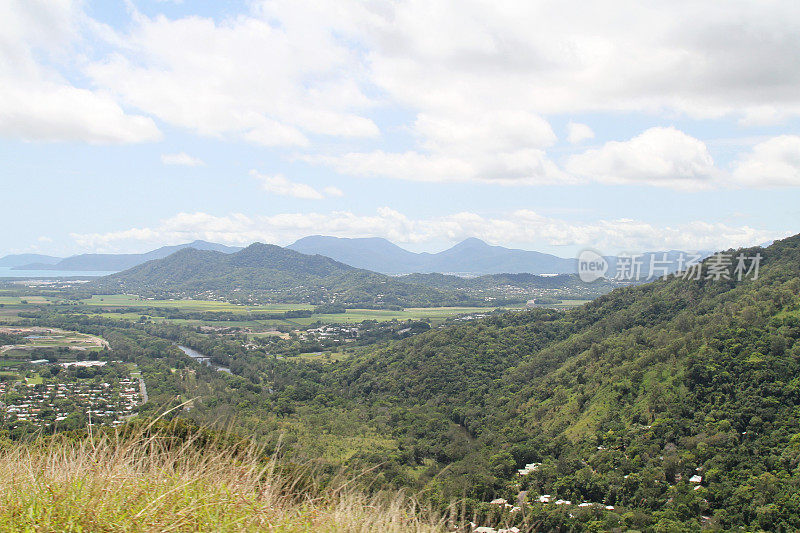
x: 150, y: 483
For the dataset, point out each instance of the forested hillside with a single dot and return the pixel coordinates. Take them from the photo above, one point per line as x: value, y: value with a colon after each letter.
x: 267, y: 273
x: 622, y: 400
x: 669, y: 406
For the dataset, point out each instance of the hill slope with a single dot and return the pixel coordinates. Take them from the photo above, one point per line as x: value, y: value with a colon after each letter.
x: 623, y: 401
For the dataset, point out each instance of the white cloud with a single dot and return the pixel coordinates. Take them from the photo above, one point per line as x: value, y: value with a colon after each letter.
x: 503, y: 148
x: 522, y: 167
x: 182, y: 159
x: 478, y: 80
x: 468, y: 131
x: 664, y: 157
x: 60, y: 112
x: 280, y: 185
x: 521, y: 226
x: 772, y: 163
x: 765, y: 115
x: 333, y: 191
x: 273, y: 76
x: 37, y: 103
x: 577, y: 132
x: 705, y: 59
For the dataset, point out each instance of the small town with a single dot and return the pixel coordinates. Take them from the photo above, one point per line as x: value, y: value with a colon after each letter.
x: 70, y: 402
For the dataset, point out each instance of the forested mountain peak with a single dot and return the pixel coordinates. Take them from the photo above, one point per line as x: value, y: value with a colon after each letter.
x: 259, y: 255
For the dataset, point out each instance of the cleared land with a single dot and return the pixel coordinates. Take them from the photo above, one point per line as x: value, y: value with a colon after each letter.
x: 38, y: 337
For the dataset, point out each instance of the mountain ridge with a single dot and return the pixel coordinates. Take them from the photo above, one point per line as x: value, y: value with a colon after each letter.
x: 16, y: 260
x: 266, y: 272
x: 117, y: 262
x: 470, y: 256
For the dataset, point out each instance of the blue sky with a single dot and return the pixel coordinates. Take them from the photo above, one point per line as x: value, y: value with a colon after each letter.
x: 129, y: 125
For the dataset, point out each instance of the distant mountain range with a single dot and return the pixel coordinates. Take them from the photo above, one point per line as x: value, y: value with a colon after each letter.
x: 471, y: 256
x: 105, y: 262
x: 18, y: 260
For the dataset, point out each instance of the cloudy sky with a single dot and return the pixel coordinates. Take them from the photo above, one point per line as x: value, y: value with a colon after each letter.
x: 548, y: 125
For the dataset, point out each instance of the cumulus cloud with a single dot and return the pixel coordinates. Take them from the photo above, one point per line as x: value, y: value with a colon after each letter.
x: 577, y: 132
x: 477, y: 81
x: 704, y: 59
x: 523, y: 226
x: 37, y: 103
x: 521, y: 167
x: 280, y: 185
x: 181, y: 159
x: 272, y: 76
x: 502, y: 147
x: 659, y: 156
x: 772, y: 163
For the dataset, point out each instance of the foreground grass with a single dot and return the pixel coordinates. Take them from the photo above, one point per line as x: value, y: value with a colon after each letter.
x: 148, y: 483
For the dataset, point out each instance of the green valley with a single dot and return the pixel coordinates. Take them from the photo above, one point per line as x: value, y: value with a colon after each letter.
x: 655, y: 407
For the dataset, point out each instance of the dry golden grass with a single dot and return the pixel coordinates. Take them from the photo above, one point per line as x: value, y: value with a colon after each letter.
x: 147, y: 482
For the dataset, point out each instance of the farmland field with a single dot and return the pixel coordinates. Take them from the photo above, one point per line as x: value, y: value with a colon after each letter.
x: 126, y: 300
x: 434, y: 314
x: 22, y: 300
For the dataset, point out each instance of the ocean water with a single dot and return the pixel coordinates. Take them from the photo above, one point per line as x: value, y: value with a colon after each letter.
x: 7, y: 272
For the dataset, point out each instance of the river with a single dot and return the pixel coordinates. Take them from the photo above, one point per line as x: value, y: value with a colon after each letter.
x: 204, y: 359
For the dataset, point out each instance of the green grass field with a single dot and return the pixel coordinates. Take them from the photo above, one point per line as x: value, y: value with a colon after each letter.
x: 321, y: 356
x: 18, y: 300
x: 567, y: 304
x: 127, y: 300
x: 12, y: 359
x: 434, y: 314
